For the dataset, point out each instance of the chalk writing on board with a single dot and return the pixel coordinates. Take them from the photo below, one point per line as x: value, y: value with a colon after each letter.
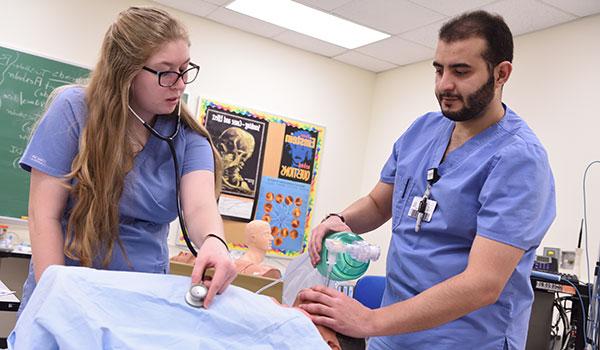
x: 26, y: 81
x: 24, y: 90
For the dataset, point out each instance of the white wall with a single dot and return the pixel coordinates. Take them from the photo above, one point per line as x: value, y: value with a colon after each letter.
x: 236, y: 67
x: 554, y: 87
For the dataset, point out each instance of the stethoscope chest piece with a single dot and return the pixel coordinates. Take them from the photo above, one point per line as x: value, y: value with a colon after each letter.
x: 196, y: 294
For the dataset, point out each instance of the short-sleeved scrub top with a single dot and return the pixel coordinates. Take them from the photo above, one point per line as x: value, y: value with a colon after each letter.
x: 497, y: 185
x: 148, y: 201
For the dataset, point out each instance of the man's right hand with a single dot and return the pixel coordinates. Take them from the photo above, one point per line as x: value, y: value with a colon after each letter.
x: 331, y: 225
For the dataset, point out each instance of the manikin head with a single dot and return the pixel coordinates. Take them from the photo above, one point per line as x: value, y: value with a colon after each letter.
x: 258, y: 235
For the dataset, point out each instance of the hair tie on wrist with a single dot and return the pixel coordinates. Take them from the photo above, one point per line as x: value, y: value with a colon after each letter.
x: 336, y: 215
x: 219, y: 238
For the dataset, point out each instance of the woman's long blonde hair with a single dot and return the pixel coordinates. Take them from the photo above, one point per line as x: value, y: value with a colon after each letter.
x: 105, y: 154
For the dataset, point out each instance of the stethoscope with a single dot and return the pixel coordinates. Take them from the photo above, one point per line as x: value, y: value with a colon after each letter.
x: 170, y: 140
x: 197, y: 292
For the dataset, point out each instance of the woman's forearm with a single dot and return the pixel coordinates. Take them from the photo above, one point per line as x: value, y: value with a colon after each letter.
x: 46, y: 244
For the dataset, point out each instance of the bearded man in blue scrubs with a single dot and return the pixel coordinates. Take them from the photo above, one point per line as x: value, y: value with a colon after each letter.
x: 459, y: 260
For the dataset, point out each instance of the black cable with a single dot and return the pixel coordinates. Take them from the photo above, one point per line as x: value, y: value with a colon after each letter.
x: 583, y: 313
x: 572, y: 335
x: 186, y: 237
x: 580, y: 234
x: 171, y: 143
x: 562, y: 317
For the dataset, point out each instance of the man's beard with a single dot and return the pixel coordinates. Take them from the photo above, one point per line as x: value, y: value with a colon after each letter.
x: 475, y: 105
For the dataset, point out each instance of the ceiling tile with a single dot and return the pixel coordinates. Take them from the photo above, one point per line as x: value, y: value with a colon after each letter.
x: 364, y: 61
x: 415, y: 23
x: 398, y: 51
x: 219, y: 2
x: 245, y: 23
x: 390, y: 16
x: 523, y: 16
x: 453, y: 7
x: 427, y: 35
x: 198, y: 8
x: 309, y: 43
x: 326, y: 5
x: 579, y: 7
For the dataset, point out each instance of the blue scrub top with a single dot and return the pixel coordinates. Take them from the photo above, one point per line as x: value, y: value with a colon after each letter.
x: 148, y: 202
x: 497, y: 185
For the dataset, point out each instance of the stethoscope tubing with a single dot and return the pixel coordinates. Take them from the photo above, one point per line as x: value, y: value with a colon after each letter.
x: 170, y: 140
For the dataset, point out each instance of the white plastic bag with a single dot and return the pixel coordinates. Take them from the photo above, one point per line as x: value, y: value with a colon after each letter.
x: 298, y: 275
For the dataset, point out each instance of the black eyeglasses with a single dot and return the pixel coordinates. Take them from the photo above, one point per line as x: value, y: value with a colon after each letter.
x: 169, y: 78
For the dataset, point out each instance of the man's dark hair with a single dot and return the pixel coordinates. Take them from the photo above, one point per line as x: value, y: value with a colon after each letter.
x: 481, y: 24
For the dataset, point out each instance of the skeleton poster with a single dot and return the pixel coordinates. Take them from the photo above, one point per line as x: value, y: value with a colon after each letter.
x: 240, y: 141
x: 271, y: 166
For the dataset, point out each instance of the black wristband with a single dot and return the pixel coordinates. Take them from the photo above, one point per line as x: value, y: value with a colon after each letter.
x: 335, y: 214
x: 219, y: 238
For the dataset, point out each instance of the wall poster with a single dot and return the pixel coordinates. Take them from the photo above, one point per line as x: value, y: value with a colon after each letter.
x: 240, y: 139
x: 270, y: 172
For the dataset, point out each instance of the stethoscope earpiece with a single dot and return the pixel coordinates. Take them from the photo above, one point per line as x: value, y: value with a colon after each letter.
x: 196, y: 294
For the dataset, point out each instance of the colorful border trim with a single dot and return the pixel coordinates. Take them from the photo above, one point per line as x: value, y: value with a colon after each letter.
x: 271, y: 118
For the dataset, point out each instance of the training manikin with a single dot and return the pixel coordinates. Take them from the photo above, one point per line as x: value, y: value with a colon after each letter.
x: 258, y: 239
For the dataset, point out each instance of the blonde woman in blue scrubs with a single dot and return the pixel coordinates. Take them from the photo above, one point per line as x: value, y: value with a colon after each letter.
x: 102, y: 188
x: 458, y: 264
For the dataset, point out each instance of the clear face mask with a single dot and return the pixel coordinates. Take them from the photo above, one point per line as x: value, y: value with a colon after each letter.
x: 345, y: 256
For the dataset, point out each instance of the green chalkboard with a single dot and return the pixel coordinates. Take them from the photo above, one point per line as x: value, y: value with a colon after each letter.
x: 25, y: 82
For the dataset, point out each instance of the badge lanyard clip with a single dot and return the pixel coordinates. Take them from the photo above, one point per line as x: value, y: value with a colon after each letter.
x: 432, y: 177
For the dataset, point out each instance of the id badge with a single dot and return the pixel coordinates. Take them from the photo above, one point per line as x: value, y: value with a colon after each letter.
x: 414, y: 207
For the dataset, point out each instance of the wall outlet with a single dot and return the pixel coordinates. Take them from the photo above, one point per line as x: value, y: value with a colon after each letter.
x: 567, y: 260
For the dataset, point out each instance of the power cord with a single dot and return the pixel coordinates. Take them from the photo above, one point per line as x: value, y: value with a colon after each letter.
x: 271, y: 284
x: 565, y: 324
x: 592, y: 319
x: 583, y: 313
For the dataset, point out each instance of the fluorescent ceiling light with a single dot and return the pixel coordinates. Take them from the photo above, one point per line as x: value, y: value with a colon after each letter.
x: 308, y: 21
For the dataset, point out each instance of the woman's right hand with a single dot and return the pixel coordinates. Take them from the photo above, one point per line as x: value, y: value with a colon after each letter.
x: 331, y: 225
x: 213, y: 254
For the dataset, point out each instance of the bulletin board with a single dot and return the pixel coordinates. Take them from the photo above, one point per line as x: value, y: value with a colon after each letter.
x: 270, y: 172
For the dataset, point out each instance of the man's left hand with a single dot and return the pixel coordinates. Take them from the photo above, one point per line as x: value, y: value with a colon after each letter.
x: 330, y: 308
